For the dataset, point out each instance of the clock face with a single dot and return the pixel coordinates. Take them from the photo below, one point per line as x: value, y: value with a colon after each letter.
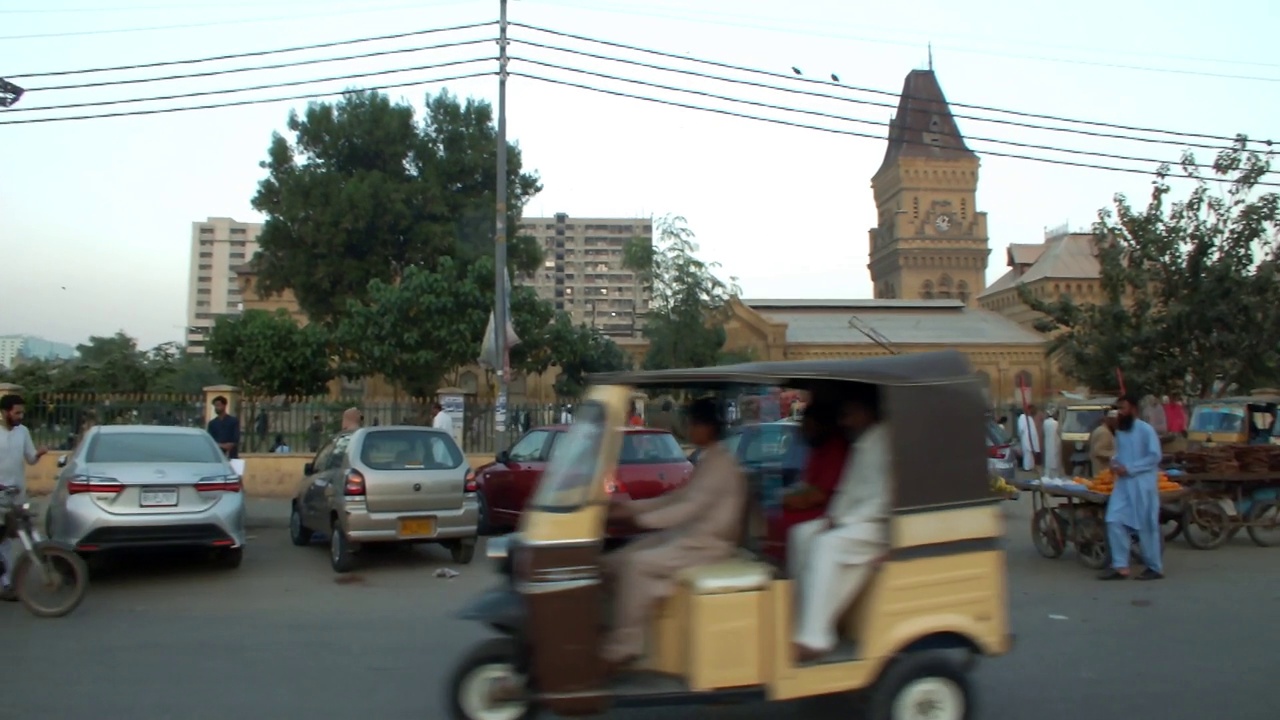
x: 943, y: 223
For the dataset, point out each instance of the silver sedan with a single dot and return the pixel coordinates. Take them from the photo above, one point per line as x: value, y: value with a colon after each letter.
x: 129, y: 486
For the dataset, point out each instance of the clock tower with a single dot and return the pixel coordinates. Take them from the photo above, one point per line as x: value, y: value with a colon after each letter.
x: 931, y: 241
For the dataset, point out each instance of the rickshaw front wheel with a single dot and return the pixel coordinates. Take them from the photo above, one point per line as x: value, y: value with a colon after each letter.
x: 475, y: 689
x: 922, y: 686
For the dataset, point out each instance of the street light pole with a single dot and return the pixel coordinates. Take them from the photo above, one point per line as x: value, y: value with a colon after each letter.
x: 500, y: 239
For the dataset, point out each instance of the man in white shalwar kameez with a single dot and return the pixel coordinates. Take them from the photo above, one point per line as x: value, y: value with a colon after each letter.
x: 1029, y: 438
x: 1052, y: 445
x: 832, y: 557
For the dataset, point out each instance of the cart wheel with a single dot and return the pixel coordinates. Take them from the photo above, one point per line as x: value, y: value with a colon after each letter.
x: 1264, y: 524
x: 1206, y: 525
x: 1047, y: 534
x: 1093, y: 555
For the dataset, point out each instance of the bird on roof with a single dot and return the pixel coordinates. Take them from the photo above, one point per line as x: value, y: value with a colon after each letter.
x: 796, y: 70
x: 835, y: 77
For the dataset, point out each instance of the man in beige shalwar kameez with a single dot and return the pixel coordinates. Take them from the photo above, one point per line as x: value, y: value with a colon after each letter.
x: 700, y: 523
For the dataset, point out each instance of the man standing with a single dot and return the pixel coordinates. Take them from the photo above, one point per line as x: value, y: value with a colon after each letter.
x: 16, y: 449
x: 441, y: 419
x: 1029, y: 439
x: 225, y: 429
x: 1052, y: 444
x: 831, y: 558
x: 1102, y: 443
x: 1134, y: 506
x: 702, y: 523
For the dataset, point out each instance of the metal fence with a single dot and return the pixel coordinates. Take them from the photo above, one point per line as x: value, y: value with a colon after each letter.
x: 300, y: 423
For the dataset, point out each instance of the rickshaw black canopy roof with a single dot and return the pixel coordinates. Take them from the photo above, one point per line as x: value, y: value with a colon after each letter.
x: 932, y: 368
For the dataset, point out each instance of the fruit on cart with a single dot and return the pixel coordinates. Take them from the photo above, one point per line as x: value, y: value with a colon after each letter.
x: 1105, y: 482
x: 999, y: 486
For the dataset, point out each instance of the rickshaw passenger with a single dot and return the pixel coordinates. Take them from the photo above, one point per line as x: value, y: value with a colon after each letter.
x: 832, y: 557
x: 701, y: 524
x: 808, y: 499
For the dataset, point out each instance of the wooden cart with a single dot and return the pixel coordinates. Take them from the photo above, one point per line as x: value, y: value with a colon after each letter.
x: 1219, y: 506
x: 1074, y: 516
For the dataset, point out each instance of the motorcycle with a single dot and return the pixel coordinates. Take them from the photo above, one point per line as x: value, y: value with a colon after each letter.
x: 49, y: 578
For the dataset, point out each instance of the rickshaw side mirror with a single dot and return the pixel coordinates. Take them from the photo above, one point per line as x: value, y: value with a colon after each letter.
x: 62, y: 461
x: 308, y: 469
x: 504, y: 457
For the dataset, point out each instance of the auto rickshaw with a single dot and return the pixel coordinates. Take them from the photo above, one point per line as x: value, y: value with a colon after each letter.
x: 1241, y: 420
x: 1076, y: 423
x: 935, y: 603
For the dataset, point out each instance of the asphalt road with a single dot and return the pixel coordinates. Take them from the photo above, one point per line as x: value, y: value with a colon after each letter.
x: 281, y: 637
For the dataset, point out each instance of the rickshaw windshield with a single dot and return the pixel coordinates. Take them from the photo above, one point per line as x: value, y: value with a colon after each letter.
x: 1217, y: 418
x: 566, y: 483
x: 1082, y: 420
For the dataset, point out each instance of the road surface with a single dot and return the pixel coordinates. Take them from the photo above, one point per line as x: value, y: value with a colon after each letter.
x: 282, y: 637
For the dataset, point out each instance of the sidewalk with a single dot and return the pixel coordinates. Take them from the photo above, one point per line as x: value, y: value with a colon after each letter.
x: 260, y: 513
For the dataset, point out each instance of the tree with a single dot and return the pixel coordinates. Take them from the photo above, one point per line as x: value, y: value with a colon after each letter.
x: 364, y: 192
x: 269, y: 354
x: 113, y: 364
x: 580, y: 351
x: 1190, y: 288
x: 689, y: 303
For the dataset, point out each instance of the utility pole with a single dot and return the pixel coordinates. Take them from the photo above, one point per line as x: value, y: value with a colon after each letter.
x: 500, y: 240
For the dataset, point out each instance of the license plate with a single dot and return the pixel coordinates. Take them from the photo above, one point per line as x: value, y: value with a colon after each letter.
x: 417, y: 527
x: 159, y: 497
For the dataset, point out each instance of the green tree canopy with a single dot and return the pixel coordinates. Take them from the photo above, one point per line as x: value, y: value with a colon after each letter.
x: 364, y: 192
x: 684, y: 325
x: 1190, y: 288
x: 580, y: 351
x: 269, y: 354
x: 115, y: 365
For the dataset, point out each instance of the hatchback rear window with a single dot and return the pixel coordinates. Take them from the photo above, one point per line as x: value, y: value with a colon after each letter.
x: 409, y: 450
x: 166, y: 447
x: 646, y: 448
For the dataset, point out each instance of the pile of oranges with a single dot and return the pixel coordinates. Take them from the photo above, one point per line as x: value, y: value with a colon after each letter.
x: 1105, y: 482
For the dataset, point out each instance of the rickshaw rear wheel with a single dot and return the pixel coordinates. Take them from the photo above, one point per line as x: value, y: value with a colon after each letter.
x: 1047, y: 534
x: 920, y: 686
x: 471, y: 686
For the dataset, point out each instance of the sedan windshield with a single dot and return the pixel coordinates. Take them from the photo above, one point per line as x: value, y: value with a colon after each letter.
x: 163, y: 448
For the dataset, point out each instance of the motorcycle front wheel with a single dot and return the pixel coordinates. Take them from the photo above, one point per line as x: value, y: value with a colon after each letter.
x: 51, y: 580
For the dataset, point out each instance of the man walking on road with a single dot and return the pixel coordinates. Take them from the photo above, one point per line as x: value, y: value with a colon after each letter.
x: 16, y: 451
x: 1135, y: 503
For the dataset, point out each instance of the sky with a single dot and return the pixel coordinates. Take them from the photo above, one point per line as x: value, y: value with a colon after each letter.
x: 96, y: 214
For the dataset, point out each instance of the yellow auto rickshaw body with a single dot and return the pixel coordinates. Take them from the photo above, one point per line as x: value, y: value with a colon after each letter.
x: 1236, y: 420
x: 726, y: 633
x: 1076, y: 422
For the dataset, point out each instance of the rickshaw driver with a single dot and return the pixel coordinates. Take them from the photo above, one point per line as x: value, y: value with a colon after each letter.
x: 832, y: 556
x: 702, y: 523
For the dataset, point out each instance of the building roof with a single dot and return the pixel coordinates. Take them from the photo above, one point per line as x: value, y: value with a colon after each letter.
x: 1067, y: 257
x: 923, y: 125
x: 945, y: 323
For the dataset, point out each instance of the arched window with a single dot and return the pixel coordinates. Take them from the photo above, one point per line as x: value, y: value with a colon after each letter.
x: 962, y: 291
x: 944, y: 287
x: 893, y: 292
x: 926, y: 290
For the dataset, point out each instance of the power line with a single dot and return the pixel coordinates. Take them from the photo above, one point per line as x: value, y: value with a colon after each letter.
x: 833, y: 116
x: 239, y: 103
x: 857, y: 101
x: 271, y: 86
x: 835, y: 131
x: 874, y: 91
x: 277, y: 66
x: 258, y: 53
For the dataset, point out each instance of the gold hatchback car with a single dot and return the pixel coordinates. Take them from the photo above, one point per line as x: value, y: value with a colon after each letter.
x: 389, y: 484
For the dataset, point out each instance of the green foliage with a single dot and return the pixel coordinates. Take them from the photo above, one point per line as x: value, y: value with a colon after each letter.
x: 269, y: 354
x: 684, y: 325
x: 1190, y: 288
x: 364, y: 192
x: 115, y: 365
x: 580, y: 351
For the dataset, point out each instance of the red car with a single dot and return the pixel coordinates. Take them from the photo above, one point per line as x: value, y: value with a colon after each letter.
x: 651, y: 464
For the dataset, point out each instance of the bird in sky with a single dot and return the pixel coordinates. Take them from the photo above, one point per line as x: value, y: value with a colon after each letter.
x: 796, y: 70
x: 835, y: 77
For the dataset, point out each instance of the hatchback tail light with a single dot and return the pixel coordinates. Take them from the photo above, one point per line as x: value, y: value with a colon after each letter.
x: 85, y: 484
x: 354, y: 485
x: 470, y: 486
x: 229, y: 483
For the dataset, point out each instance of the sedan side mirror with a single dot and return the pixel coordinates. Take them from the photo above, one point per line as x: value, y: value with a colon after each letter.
x: 308, y: 469
x: 62, y: 461
x: 504, y: 457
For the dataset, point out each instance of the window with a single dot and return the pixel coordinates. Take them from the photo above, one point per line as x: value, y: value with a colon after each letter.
x: 237, y: 256
x: 410, y: 450
x: 206, y: 254
x: 647, y: 448
x: 204, y: 279
x: 530, y: 447
x: 202, y: 303
x: 203, y: 291
x: 168, y: 447
x: 770, y: 444
x: 206, y: 266
x: 338, y: 455
x: 1082, y: 420
x: 206, y: 231
x: 238, y: 231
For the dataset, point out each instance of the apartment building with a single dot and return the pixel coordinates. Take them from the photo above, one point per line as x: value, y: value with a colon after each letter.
x: 583, y: 273
x: 218, y: 246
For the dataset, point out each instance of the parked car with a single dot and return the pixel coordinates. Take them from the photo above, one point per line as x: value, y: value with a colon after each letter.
x: 1001, y: 460
x: 387, y: 484
x: 651, y: 463
x: 128, y: 486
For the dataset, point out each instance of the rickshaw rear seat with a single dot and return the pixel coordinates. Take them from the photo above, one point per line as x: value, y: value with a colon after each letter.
x: 728, y: 576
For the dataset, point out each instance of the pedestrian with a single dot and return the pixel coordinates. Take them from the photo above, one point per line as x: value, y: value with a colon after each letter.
x: 1029, y: 439
x: 280, y: 446
x: 16, y: 448
x: 1052, y: 444
x: 261, y: 427
x: 1134, y: 506
x: 225, y: 429
x: 440, y: 419
x: 314, y: 433
x: 1102, y: 443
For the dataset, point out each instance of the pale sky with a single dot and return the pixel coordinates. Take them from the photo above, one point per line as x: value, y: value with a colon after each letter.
x: 103, y: 208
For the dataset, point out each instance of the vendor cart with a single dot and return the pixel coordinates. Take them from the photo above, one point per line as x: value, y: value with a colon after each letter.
x: 1072, y: 515
x: 1219, y: 506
